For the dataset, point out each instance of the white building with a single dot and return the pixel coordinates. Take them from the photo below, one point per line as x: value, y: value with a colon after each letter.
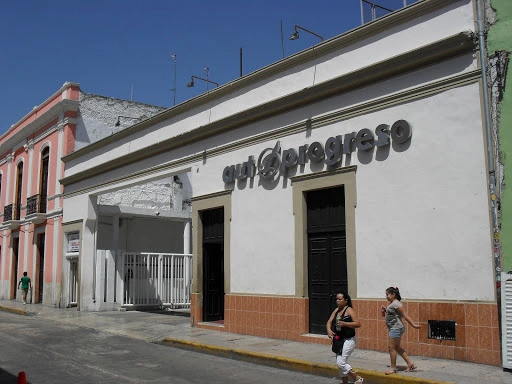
x: 357, y: 164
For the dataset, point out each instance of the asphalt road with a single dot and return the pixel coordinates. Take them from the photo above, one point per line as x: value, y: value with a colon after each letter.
x: 54, y: 352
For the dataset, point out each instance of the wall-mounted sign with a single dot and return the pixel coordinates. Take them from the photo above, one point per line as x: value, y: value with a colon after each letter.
x: 73, y: 242
x: 271, y: 162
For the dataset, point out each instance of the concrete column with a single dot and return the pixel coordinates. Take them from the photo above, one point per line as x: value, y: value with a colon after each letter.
x: 187, y: 237
x: 112, y: 264
x: 25, y: 235
x: 87, y: 261
x: 59, y: 168
x: 5, y: 277
x: 56, y: 289
x: 6, y: 247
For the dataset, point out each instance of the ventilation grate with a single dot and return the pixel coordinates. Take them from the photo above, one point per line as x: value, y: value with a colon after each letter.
x: 441, y: 330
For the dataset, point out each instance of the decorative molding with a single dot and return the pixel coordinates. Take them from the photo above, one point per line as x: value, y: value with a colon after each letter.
x: 186, y: 161
x: 55, y: 196
x: 398, y: 65
x: 51, y: 114
x: 317, y: 122
x: 316, y: 175
x: 211, y: 195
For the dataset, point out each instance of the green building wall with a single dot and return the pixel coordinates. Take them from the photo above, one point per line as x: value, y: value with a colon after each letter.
x: 499, y: 38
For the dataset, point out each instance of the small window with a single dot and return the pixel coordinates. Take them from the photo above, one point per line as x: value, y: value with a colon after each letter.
x: 73, y: 243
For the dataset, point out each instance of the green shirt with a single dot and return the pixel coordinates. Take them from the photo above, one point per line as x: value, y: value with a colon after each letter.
x: 25, y: 280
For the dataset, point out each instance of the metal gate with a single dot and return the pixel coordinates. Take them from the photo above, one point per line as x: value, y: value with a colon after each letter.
x: 73, y: 281
x: 506, y: 319
x: 150, y: 279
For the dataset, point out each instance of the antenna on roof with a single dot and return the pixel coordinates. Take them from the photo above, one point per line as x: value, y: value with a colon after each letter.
x: 174, y: 89
x: 131, y: 94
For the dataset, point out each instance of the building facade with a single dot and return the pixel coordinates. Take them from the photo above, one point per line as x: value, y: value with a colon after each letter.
x: 31, y: 193
x: 358, y: 164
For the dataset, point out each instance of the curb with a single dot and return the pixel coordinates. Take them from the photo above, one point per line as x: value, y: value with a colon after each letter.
x: 292, y: 364
x: 17, y: 311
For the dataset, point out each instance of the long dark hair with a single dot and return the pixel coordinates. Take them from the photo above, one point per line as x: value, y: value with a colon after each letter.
x: 346, y: 296
x: 394, y: 291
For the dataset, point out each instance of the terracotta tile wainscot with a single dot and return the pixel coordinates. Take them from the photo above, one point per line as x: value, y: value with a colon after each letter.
x: 477, y: 332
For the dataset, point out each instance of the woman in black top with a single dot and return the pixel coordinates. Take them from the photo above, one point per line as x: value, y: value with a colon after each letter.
x: 346, y: 321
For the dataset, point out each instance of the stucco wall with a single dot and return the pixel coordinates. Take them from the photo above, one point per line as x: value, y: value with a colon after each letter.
x: 422, y: 218
x: 98, y: 116
x: 499, y: 38
x: 166, y: 194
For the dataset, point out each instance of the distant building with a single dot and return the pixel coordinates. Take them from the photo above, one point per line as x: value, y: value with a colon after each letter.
x: 30, y: 189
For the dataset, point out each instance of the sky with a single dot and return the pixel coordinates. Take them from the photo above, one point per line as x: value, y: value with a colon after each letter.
x: 123, y: 48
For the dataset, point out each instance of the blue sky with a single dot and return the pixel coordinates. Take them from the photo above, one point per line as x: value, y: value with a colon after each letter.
x: 110, y: 46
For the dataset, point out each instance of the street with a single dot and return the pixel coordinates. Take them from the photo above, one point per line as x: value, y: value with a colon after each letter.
x: 55, y: 352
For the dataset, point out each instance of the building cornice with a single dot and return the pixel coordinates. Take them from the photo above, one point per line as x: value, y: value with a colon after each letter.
x: 65, y: 86
x: 54, y: 112
x: 211, y: 195
x: 395, y: 66
x: 300, y: 126
x: 382, y: 24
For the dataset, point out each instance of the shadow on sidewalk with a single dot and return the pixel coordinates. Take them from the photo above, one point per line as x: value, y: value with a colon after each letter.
x: 167, y: 311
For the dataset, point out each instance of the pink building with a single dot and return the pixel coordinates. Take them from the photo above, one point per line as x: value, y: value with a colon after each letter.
x: 30, y: 191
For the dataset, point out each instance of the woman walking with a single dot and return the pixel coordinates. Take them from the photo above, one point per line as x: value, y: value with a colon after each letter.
x: 341, y: 330
x: 394, y: 315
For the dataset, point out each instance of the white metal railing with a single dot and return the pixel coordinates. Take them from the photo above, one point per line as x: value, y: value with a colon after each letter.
x: 163, y: 279
x: 73, y: 281
x: 506, y: 319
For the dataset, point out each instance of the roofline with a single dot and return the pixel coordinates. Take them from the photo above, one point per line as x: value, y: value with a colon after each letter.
x: 423, y: 56
x: 37, y: 108
x: 51, y: 114
x: 346, y: 39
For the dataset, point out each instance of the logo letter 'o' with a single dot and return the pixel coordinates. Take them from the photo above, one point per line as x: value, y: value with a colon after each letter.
x: 401, y: 131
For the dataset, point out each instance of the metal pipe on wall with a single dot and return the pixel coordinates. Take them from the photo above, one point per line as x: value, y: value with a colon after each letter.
x: 488, y: 134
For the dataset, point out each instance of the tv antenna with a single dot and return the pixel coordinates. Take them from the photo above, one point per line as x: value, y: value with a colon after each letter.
x: 173, y: 56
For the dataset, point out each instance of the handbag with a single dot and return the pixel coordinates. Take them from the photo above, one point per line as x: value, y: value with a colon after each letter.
x: 339, y: 336
x: 337, y: 344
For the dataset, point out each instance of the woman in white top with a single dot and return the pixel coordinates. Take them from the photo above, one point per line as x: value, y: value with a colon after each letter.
x: 395, y: 312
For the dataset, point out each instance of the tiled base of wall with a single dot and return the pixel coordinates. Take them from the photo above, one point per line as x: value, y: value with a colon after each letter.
x: 477, y: 333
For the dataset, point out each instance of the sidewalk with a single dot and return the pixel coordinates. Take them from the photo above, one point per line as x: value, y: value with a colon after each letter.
x: 306, y: 357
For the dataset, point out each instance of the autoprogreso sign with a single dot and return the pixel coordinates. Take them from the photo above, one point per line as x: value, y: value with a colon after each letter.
x: 272, y: 162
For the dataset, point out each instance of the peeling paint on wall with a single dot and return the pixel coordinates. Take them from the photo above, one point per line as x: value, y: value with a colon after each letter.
x: 101, y: 116
x: 167, y: 194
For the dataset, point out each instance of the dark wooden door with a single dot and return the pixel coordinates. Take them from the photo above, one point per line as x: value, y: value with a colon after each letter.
x: 19, y: 189
x: 40, y: 277
x: 327, y: 253
x: 213, y: 264
x: 44, y: 180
